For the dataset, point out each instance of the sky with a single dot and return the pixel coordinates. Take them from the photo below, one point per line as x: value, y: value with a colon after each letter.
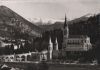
x: 52, y: 9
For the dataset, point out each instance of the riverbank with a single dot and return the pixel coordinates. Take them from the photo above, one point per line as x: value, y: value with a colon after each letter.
x: 51, y: 66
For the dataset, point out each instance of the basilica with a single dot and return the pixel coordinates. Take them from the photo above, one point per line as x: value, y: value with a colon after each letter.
x: 73, y: 47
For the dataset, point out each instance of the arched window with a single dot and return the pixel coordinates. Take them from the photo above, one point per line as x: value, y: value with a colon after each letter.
x: 28, y: 57
x: 23, y: 58
x: 17, y: 58
x: 11, y: 57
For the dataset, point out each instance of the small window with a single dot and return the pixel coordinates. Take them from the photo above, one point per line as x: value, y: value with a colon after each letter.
x: 11, y: 57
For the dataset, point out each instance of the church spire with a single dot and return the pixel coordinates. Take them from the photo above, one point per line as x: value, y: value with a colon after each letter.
x: 65, y: 23
x: 65, y: 33
x: 66, y: 28
x: 50, y: 41
x: 50, y: 49
x: 56, y: 41
x: 56, y: 44
x: 50, y: 45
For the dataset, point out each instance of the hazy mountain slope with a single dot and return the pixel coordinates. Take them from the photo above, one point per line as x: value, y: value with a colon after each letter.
x: 11, y: 21
x: 58, y: 25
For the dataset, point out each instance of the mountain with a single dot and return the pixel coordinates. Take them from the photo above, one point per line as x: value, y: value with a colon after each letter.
x: 59, y: 25
x: 56, y: 25
x: 11, y: 24
x: 39, y: 21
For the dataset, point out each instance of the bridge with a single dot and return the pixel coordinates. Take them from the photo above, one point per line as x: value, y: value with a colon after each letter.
x: 20, y: 57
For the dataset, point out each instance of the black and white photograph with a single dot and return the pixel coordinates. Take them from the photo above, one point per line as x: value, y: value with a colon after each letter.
x: 49, y: 34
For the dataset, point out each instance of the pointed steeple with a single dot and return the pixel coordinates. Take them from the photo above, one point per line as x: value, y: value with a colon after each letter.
x: 50, y: 41
x: 65, y: 23
x: 56, y: 41
x: 50, y: 45
x: 56, y: 44
x: 50, y: 49
x: 65, y: 33
x: 66, y: 29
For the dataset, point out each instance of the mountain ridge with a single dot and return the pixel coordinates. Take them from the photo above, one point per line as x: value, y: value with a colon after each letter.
x: 9, y: 18
x: 59, y: 25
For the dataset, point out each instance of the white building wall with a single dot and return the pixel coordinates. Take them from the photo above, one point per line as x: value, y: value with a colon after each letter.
x: 78, y: 44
